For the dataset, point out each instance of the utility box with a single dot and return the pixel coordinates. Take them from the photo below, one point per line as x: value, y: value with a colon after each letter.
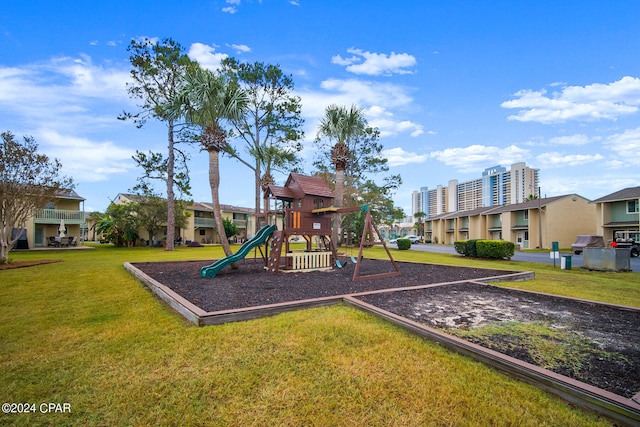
x: 607, y: 259
x: 565, y: 262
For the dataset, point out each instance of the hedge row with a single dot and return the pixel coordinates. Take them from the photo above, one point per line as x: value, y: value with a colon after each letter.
x: 476, y: 248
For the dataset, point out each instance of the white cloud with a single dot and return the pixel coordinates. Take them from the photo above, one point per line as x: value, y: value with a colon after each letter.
x: 625, y: 145
x: 377, y: 99
x: 399, y: 157
x: 231, y: 9
x: 240, y: 48
x: 559, y: 160
x: 581, y: 103
x: 206, y: 56
x: 83, y: 159
x: 478, y: 157
x: 376, y: 64
x: 578, y: 139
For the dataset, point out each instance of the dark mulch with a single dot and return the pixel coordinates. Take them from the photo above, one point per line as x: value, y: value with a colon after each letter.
x: 249, y: 285
x: 463, y: 305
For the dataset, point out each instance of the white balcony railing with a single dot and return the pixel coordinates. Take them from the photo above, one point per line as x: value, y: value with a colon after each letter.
x: 54, y: 216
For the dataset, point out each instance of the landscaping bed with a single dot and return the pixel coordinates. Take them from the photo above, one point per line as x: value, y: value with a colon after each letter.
x: 597, y: 344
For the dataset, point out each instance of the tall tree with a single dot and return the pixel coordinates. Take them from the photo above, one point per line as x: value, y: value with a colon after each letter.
x: 420, y: 224
x: 340, y: 125
x: 271, y: 126
x: 151, y: 213
x: 29, y: 180
x: 346, y: 142
x: 206, y: 99
x: 158, y: 69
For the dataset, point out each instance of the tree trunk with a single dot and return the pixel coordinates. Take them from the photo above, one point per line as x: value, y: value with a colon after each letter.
x: 258, y: 190
x: 214, y: 182
x: 339, y: 193
x: 171, y: 210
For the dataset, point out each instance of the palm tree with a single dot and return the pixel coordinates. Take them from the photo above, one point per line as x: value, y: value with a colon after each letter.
x: 205, y: 100
x: 341, y: 124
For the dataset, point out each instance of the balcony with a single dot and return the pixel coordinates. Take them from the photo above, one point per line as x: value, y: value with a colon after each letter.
x: 240, y: 223
x: 204, y: 222
x: 54, y: 216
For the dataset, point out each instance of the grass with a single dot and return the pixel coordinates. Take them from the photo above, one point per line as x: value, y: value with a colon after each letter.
x: 84, y: 332
x: 549, y: 347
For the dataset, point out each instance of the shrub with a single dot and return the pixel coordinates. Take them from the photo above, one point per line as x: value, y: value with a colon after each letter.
x: 466, y: 247
x: 495, y: 249
x: 404, y: 244
x: 485, y: 248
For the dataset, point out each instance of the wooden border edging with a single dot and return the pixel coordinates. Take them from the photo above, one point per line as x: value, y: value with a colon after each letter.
x: 584, y: 395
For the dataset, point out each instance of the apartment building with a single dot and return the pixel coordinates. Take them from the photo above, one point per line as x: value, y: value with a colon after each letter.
x: 618, y: 215
x: 531, y: 224
x: 496, y: 187
x: 65, y: 211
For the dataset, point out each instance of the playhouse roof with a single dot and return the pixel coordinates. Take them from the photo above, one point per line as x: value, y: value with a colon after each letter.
x: 298, y: 186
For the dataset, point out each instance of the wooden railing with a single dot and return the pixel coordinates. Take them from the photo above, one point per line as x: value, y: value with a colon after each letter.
x: 308, y: 260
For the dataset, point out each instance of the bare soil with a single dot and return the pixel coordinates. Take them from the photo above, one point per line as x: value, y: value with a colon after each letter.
x: 611, y: 333
x: 23, y: 264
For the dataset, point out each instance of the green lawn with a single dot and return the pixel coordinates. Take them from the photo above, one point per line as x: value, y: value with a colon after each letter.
x: 86, y: 333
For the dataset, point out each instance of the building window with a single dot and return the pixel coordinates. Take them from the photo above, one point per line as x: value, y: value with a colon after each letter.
x: 632, y: 206
x: 526, y: 215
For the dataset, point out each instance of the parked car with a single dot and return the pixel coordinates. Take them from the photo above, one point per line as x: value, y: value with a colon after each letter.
x: 414, y: 239
x: 587, y: 241
x: 625, y: 239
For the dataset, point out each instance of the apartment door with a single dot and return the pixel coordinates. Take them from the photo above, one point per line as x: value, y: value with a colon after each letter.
x: 522, y: 239
x: 39, y: 239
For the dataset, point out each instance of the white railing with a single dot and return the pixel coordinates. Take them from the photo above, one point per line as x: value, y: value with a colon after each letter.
x: 309, y: 260
x: 54, y: 216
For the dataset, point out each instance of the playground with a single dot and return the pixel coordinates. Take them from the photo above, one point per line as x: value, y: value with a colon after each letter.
x: 430, y: 300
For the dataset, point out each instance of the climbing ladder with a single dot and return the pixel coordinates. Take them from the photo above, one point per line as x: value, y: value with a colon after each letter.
x: 275, y: 246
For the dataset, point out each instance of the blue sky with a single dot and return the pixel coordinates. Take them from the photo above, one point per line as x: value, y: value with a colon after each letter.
x: 454, y: 86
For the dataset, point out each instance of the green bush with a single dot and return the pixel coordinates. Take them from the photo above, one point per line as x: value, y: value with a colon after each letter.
x: 460, y: 246
x: 404, y: 244
x: 466, y: 247
x: 497, y: 249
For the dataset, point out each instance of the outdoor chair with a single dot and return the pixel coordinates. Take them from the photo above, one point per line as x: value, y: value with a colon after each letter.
x: 73, y: 241
x: 52, y: 241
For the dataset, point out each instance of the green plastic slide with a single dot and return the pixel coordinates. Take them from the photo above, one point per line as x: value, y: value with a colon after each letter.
x: 260, y: 237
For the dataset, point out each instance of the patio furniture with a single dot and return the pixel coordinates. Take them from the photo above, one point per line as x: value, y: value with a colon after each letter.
x: 73, y: 241
x: 53, y: 242
x: 64, y: 241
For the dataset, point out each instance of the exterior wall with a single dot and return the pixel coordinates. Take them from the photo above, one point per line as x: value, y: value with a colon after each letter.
x: 45, y: 222
x: 478, y: 227
x: 566, y: 219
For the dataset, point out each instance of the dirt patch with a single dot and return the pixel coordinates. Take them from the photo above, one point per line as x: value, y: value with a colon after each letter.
x: 594, y: 343
x: 22, y: 264
x: 609, y: 357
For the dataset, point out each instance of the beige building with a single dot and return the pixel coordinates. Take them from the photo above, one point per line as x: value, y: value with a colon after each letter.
x: 532, y: 224
x: 201, y: 225
x: 617, y: 215
x: 65, y: 212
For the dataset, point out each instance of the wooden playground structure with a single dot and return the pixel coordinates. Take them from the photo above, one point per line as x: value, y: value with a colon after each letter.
x: 306, y: 211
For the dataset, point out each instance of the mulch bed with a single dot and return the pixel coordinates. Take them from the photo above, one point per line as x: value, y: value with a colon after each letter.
x: 453, y: 306
x: 250, y: 286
